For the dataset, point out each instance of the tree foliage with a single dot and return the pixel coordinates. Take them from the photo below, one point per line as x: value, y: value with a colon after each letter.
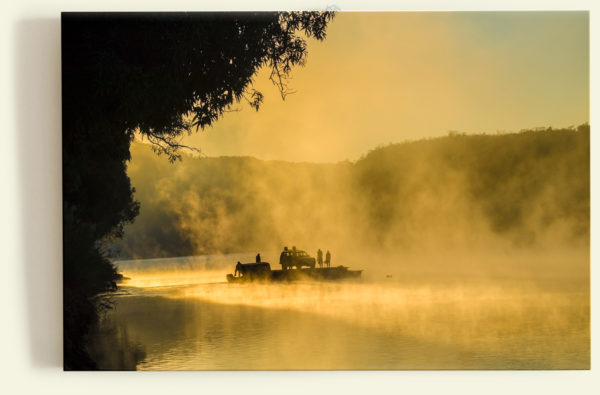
x: 147, y: 70
x: 163, y: 75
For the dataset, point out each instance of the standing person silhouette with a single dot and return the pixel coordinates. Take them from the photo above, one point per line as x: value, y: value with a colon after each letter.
x: 284, y: 258
x: 258, y: 258
x: 328, y: 258
x: 320, y: 258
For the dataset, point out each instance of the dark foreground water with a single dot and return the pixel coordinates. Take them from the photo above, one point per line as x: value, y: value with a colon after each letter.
x: 179, y: 314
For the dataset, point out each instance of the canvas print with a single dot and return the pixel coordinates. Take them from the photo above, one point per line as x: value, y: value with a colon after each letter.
x: 321, y: 190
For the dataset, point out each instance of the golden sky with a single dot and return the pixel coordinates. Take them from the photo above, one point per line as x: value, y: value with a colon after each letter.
x: 382, y: 78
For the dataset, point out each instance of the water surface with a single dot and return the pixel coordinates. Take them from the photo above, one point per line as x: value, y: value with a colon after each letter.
x: 186, y: 317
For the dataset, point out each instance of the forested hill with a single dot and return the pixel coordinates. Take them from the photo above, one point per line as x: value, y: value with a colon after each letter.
x: 524, y: 189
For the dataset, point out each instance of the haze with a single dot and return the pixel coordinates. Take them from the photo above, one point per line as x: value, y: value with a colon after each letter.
x: 389, y: 77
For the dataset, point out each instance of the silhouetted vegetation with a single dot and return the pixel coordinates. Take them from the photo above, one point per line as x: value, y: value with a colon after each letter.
x: 162, y: 75
x: 520, y: 183
x: 527, y: 189
x: 111, y: 347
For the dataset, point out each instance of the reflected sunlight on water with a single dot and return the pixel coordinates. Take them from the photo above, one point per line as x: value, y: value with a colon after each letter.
x: 186, y: 317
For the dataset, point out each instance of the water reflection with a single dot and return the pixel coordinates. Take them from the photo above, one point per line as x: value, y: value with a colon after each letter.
x: 112, y: 348
x: 453, y: 323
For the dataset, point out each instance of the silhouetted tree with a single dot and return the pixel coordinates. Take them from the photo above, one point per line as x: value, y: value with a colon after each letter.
x: 162, y: 75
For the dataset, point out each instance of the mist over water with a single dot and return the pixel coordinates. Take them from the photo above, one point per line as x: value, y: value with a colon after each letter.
x: 186, y: 316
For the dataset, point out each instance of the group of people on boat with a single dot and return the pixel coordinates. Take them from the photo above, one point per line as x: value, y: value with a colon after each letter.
x: 298, y: 258
x: 320, y: 258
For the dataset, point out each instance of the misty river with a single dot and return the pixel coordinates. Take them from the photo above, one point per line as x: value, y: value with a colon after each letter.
x: 180, y: 314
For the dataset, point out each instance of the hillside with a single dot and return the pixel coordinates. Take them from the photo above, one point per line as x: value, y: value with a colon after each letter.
x: 521, y: 190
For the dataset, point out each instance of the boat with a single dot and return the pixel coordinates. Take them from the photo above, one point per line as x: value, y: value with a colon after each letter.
x: 292, y: 270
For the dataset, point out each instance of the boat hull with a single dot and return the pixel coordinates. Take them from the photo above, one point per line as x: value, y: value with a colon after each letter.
x: 316, y: 274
